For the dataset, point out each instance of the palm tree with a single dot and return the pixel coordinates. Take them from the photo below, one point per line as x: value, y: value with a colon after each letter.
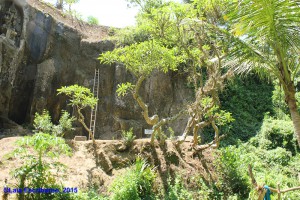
x: 266, y: 35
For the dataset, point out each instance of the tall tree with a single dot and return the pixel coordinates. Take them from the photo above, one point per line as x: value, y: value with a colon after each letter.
x: 141, y: 60
x: 266, y: 38
x: 59, y: 4
x: 178, y: 31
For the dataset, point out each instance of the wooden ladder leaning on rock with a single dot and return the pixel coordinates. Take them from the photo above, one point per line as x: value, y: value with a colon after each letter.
x: 96, y: 94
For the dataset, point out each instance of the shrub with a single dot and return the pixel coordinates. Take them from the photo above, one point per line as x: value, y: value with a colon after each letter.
x: 42, y: 123
x: 277, y: 133
x: 269, y: 167
x: 232, y: 179
x: 177, y: 190
x: 128, y: 137
x: 92, y: 20
x: 91, y: 194
x: 36, y: 171
x: 135, y: 184
x: 238, y: 98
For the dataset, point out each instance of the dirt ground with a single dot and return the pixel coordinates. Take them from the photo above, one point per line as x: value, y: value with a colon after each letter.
x: 90, y: 32
x: 85, y: 170
x: 88, y: 168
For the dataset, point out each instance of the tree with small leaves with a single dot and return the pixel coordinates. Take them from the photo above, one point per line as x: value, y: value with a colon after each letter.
x: 80, y: 98
x: 185, y: 40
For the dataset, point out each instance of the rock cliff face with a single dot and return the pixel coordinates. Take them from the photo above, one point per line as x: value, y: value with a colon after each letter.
x: 41, y: 50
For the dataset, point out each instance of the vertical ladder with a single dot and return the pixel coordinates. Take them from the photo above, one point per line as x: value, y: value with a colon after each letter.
x: 94, y: 110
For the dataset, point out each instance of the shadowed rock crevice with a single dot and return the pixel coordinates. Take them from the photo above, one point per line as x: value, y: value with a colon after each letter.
x: 49, y: 51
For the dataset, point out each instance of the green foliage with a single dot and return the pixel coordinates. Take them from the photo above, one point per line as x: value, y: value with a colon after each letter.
x: 265, y: 41
x: 279, y: 106
x: 71, y: 1
x: 129, y: 35
x: 128, y: 137
x: 65, y: 124
x: 92, y: 20
x: 42, y: 123
x: 221, y: 116
x: 210, y: 190
x: 36, y: 169
x: 232, y: 180
x: 269, y: 167
x: 276, y: 133
x: 44, y: 144
x: 123, y: 88
x: 171, y: 36
x: 171, y: 133
x: 135, y: 184
x: 248, y: 99
x: 177, y: 190
x: 271, y: 163
x: 143, y: 58
x: 79, y: 96
x: 91, y: 194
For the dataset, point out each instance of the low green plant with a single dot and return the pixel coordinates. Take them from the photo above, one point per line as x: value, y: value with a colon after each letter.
x: 177, y: 190
x: 270, y: 166
x: 90, y: 194
x: 36, y: 169
x: 238, y: 98
x: 92, y: 20
x: 233, y: 180
x: 42, y: 123
x: 135, y: 184
x: 128, y: 137
x: 276, y: 133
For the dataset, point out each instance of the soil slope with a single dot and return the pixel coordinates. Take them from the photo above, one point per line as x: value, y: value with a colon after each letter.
x: 84, y: 170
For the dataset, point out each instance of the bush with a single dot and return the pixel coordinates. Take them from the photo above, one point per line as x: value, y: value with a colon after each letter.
x: 42, y: 123
x: 238, y: 98
x: 36, y: 171
x: 230, y: 168
x: 135, y: 184
x: 269, y: 167
x: 277, y: 133
x: 91, y: 194
x: 177, y: 190
x: 128, y: 137
x: 92, y: 20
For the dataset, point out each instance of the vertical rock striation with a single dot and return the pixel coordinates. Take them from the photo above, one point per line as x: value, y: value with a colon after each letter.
x: 40, y: 51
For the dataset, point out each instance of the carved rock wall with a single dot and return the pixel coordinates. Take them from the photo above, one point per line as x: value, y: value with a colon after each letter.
x: 39, y: 54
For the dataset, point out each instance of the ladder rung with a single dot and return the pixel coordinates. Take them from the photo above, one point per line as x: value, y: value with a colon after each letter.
x: 96, y: 93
